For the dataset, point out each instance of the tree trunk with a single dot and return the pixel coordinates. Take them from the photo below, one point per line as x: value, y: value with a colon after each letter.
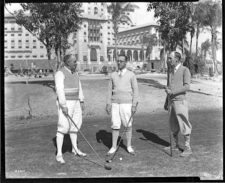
x: 197, y: 34
x: 191, y: 45
x: 213, y: 32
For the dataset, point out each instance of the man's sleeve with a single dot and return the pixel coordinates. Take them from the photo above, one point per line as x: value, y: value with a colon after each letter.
x: 59, y: 84
x: 186, y: 83
x: 81, y: 95
x: 109, y: 96
x: 134, y: 85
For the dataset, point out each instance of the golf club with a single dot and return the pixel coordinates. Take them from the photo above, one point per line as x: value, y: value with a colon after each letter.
x: 109, y: 160
x: 107, y: 167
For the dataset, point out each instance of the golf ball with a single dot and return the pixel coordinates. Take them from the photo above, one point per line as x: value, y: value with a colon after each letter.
x: 121, y: 158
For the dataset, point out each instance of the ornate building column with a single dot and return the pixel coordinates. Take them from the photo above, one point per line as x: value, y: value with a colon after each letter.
x: 139, y: 58
x: 132, y: 52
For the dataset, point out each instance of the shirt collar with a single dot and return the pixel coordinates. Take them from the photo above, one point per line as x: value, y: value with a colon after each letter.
x: 177, y: 67
x: 121, y: 73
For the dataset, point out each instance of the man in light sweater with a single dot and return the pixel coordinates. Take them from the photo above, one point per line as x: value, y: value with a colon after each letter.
x: 122, y: 102
x: 70, y: 101
x: 178, y: 83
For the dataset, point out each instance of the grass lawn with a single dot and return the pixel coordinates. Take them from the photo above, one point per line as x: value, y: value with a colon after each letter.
x: 30, y: 143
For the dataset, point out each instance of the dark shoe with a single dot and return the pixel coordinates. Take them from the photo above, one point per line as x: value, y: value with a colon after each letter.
x: 187, y: 152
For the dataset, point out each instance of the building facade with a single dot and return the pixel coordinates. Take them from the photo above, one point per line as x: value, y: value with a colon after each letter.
x: 93, y: 44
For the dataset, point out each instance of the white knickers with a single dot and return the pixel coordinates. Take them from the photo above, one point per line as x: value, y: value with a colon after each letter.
x: 121, y: 113
x: 75, y: 112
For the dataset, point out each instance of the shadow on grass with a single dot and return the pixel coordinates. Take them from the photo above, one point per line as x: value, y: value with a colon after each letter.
x: 152, y: 83
x: 153, y: 140
x: 104, y: 137
x: 67, y: 145
x: 156, y: 84
x: 49, y: 83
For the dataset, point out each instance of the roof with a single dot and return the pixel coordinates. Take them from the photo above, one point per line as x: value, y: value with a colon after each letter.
x: 140, y: 26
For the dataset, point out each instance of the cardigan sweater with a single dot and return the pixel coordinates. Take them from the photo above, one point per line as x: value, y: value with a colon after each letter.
x: 68, y: 86
x: 179, y: 83
x: 123, y: 89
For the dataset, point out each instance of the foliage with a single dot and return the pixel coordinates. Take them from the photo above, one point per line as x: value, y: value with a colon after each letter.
x: 118, y: 11
x: 174, y: 21
x: 51, y: 23
x: 213, y: 19
x: 205, y: 46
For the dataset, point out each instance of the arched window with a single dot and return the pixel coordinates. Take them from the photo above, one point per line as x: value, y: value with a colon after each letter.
x: 135, y: 54
x: 129, y: 53
x: 95, y: 10
x: 93, y: 55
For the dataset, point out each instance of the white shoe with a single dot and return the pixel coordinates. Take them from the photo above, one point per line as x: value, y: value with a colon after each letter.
x: 111, y: 151
x: 78, y: 152
x: 60, y: 159
x: 130, y: 150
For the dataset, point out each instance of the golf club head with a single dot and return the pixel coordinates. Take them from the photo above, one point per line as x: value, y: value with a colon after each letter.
x: 107, y: 167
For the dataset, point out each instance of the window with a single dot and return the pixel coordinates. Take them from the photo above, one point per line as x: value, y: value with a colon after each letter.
x: 84, y: 25
x: 5, y: 28
x: 5, y: 34
x: 12, y: 28
x: 20, y: 56
x: 34, y: 46
x: 6, y: 56
x: 84, y: 33
x: 12, y: 34
x: 19, y: 34
x: 19, y: 41
x: 27, y: 56
x: 85, y: 40
x: 41, y: 46
x: 13, y: 56
x: 41, y: 56
x: 27, y: 35
x: 19, y: 28
x: 34, y: 40
x: 12, y: 41
x: 34, y: 56
x: 12, y: 47
x: 27, y: 41
x: 19, y: 46
x: 27, y: 46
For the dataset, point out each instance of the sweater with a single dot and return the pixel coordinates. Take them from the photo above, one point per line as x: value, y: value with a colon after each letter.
x: 123, y: 89
x: 179, y: 83
x: 68, y: 86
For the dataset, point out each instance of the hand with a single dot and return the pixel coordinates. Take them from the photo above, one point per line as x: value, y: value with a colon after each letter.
x: 108, y: 109
x: 133, y: 109
x: 166, y: 106
x: 168, y: 91
x: 82, y: 106
x: 65, y: 110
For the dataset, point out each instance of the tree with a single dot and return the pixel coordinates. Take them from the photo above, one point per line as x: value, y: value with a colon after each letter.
x: 151, y: 41
x: 118, y: 12
x: 199, y: 14
x: 52, y: 23
x: 174, y: 20
x: 213, y: 19
x: 205, y: 47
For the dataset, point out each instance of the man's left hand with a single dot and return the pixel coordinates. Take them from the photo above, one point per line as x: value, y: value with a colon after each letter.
x: 168, y: 91
x: 133, y: 109
x: 82, y: 106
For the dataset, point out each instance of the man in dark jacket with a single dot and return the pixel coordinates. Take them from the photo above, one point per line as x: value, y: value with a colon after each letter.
x: 178, y: 84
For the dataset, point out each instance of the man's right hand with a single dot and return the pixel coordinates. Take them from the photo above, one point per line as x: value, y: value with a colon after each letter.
x: 108, y: 109
x: 65, y: 110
